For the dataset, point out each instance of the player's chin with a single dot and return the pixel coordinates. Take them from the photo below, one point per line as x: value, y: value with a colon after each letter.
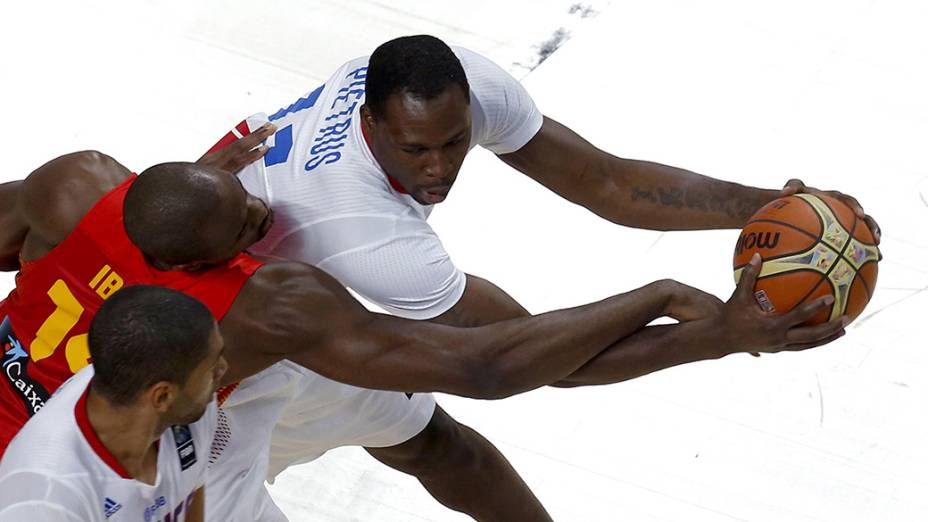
x: 194, y: 417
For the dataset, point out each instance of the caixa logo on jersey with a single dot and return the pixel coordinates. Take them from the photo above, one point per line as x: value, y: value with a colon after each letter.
x: 15, y: 365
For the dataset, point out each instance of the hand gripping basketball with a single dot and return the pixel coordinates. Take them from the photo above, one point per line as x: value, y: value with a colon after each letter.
x: 796, y: 186
x: 745, y: 327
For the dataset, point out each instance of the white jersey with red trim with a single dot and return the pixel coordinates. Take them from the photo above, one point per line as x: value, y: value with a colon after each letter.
x: 57, y: 470
x: 336, y: 208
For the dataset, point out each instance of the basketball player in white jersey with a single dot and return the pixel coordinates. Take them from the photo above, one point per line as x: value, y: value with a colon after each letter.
x: 352, y: 173
x: 128, y: 438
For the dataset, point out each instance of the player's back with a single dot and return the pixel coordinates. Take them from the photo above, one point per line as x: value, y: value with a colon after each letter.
x: 58, y: 466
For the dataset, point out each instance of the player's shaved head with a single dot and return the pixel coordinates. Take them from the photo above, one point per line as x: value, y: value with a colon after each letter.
x: 170, y: 208
x: 420, y: 66
x: 146, y: 334
x: 185, y: 216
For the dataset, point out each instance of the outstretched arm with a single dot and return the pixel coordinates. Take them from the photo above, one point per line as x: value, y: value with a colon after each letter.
x: 741, y: 326
x: 706, y: 331
x: 643, y: 194
x: 294, y: 311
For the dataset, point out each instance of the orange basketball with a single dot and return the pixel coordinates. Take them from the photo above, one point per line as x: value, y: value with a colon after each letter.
x: 811, y: 246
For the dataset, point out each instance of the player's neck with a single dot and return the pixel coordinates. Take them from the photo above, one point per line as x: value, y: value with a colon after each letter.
x: 129, y: 434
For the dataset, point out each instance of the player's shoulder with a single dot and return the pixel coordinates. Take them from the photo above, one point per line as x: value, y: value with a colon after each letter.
x: 58, y: 194
x: 87, y: 171
x: 50, y: 440
x: 284, y: 295
x: 285, y: 306
x: 45, y: 495
x: 476, y: 64
x: 47, y: 446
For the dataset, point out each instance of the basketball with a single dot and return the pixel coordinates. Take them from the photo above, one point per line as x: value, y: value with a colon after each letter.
x: 810, y: 246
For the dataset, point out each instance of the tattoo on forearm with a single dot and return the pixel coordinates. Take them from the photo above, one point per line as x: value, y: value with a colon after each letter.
x: 695, y: 199
x: 638, y: 194
x: 671, y: 197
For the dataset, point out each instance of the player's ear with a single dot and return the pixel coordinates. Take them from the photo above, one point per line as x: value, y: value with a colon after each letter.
x: 367, y: 117
x: 162, y: 395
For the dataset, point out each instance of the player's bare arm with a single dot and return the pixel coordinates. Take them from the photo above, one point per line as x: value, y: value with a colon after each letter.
x: 482, y: 303
x: 741, y: 326
x: 54, y: 198
x: 643, y: 194
x: 707, y: 329
x: 295, y: 311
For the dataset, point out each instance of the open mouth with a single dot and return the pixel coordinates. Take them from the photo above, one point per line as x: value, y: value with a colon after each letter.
x: 436, y: 194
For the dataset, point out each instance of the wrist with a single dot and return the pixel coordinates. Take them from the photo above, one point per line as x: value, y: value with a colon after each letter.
x: 715, y: 335
x: 668, y: 294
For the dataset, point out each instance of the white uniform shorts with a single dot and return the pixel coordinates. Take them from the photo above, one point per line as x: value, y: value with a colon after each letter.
x: 288, y: 415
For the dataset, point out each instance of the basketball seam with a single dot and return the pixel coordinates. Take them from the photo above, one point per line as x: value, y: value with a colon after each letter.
x: 810, y: 292
x: 841, y: 257
x: 787, y: 225
x: 793, y: 271
x: 803, y: 232
x: 817, y: 216
x: 863, y: 280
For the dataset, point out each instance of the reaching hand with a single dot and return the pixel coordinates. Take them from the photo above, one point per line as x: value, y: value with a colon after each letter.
x: 744, y: 327
x: 238, y: 154
x: 795, y: 186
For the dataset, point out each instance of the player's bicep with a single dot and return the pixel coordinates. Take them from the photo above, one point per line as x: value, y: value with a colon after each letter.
x: 316, y: 323
x: 482, y: 303
x: 389, y: 353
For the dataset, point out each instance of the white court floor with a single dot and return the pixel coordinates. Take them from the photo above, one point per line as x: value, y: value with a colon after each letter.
x: 829, y: 91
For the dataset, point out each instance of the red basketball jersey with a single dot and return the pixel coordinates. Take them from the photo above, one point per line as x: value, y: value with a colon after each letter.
x: 45, y: 319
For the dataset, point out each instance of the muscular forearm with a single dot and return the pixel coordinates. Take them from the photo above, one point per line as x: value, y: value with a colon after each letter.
x: 530, y: 352
x: 650, y: 349
x: 649, y: 195
x: 634, y: 193
x: 346, y: 343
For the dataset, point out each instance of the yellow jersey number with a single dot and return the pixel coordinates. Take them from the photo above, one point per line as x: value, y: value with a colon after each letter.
x: 67, y: 313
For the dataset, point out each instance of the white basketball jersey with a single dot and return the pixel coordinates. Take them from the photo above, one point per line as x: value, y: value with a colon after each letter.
x: 335, y: 207
x: 57, y: 470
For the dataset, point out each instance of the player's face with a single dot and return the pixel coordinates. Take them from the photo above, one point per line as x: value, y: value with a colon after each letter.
x: 202, y: 383
x: 422, y: 143
x: 241, y: 220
